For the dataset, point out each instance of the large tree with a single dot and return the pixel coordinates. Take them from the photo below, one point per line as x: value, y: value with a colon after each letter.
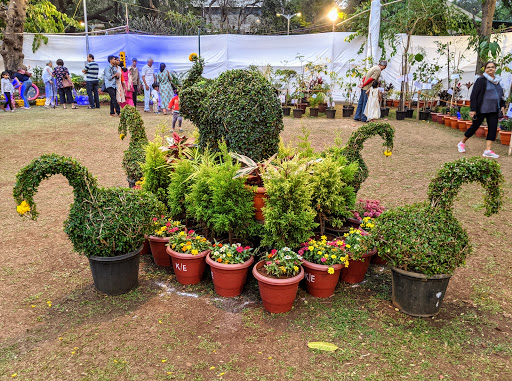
x: 13, y: 18
x: 484, y: 34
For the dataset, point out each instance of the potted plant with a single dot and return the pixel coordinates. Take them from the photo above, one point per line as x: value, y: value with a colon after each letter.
x: 107, y: 225
x: 229, y: 266
x: 464, y: 118
x: 278, y: 275
x: 188, y: 251
x: 359, y: 252
x: 286, y: 76
x: 314, y: 100
x: 131, y: 121
x: 505, y: 131
x: 163, y: 228
x: 322, y: 262
x: 425, y: 243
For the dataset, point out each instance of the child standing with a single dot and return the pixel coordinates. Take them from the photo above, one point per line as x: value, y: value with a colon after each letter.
x: 7, y: 89
x: 156, y: 97
x: 174, y: 106
x: 372, y: 109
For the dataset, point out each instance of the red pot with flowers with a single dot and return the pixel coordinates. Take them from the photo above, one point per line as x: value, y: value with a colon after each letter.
x: 322, y: 261
x: 359, y: 253
x: 163, y: 228
x: 278, y: 276
x: 229, y: 266
x: 372, y: 209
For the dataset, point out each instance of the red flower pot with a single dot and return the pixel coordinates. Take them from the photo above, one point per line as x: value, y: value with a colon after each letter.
x: 434, y: 116
x: 440, y: 119
x: 454, y: 123
x: 462, y: 125
x: 481, y: 133
x: 277, y: 294
x: 378, y: 260
x: 319, y: 282
x: 189, y: 269
x: 396, y: 102
x: 260, y: 195
x: 157, y: 245
x: 505, y: 137
x: 145, y: 247
x: 229, y: 280
x: 356, y: 270
x: 448, y: 121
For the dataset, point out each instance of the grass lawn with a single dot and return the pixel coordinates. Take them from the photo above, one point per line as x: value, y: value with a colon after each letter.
x: 55, y: 326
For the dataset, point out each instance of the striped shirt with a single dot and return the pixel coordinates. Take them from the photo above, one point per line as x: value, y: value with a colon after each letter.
x: 92, y: 71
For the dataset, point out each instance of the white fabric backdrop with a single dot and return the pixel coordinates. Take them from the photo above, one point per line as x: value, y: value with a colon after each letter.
x: 223, y: 52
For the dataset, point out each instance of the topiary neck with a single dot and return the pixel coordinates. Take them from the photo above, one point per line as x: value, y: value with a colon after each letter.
x: 194, y: 73
x: 28, y: 179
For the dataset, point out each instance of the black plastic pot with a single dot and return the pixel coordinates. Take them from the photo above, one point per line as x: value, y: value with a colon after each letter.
x: 131, y: 183
x: 348, y: 111
x: 286, y: 111
x: 297, y: 113
x: 116, y: 275
x: 384, y: 111
x: 417, y: 294
x: 313, y: 111
x: 331, y: 114
x: 424, y: 115
x: 400, y: 115
x: 410, y: 113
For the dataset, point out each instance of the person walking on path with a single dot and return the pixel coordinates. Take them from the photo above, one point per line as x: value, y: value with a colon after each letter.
x: 64, y: 84
x: 165, y: 83
x: 120, y: 87
x: 135, y: 79
x: 7, y: 90
x: 91, y: 81
x: 148, y: 78
x: 49, y: 85
x: 110, y: 75
x: 24, y: 78
x: 174, y: 106
x: 127, y: 86
x: 372, y: 109
x: 486, y: 102
x: 372, y: 75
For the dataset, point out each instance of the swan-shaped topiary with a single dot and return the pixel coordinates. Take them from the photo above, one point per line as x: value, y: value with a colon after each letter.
x: 102, y: 222
x: 131, y: 122
x: 426, y: 237
x: 239, y: 107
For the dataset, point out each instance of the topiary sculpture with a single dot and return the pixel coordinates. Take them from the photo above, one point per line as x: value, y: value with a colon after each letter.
x: 131, y: 121
x: 103, y: 222
x: 239, y: 107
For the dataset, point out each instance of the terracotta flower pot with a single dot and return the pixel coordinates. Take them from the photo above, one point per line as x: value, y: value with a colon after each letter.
x: 319, y: 282
x: 396, y: 102
x: 146, y: 249
x: 448, y: 121
x: 440, y: 118
x: 461, y: 124
x: 481, y: 133
x: 277, y: 294
x: 378, y: 260
x: 189, y: 269
x: 157, y: 245
x: 505, y: 137
x: 356, y: 270
x: 389, y: 102
x: 260, y: 195
x: 229, y: 280
x: 469, y: 123
x: 434, y: 116
x: 467, y: 102
x: 322, y: 107
x: 454, y: 123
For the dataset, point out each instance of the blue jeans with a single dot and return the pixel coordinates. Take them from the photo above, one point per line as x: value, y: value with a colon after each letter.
x: 92, y: 93
x: 25, y: 87
x: 147, y: 96
x: 49, y: 89
x: 361, y: 105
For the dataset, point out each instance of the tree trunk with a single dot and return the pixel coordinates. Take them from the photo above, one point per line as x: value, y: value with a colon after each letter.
x: 12, y: 48
x: 488, y: 8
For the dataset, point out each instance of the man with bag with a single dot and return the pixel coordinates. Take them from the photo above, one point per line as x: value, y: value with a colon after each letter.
x: 372, y: 75
x: 91, y: 82
x: 110, y: 75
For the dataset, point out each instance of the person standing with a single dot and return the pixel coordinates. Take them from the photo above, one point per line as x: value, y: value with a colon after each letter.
x: 174, y: 106
x: 127, y: 84
x: 91, y: 81
x: 110, y: 75
x: 7, y: 90
x: 164, y: 81
x: 372, y: 75
x: 120, y: 87
x: 134, y: 71
x: 486, y: 102
x: 23, y: 76
x: 64, y: 84
x: 372, y: 109
x: 49, y: 85
x: 148, y: 78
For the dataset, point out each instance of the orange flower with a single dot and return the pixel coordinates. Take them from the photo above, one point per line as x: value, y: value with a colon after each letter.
x: 214, y: 245
x: 219, y: 260
x: 269, y: 256
x: 220, y: 244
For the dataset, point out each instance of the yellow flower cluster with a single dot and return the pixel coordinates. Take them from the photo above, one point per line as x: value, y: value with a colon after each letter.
x: 23, y: 208
x: 192, y: 57
x: 122, y: 136
x: 387, y: 153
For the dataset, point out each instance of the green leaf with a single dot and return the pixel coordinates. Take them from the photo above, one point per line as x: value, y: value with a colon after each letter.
x: 322, y: 346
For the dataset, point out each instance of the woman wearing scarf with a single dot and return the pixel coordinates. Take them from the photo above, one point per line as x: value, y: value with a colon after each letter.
x: 486, y: 102
x: 126, y: 76
x: 49, y: 85
x: 119, y: 84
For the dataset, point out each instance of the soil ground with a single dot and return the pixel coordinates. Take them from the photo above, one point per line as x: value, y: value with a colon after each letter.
x: 55, y: 326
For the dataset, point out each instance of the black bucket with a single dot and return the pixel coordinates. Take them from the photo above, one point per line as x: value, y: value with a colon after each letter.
x: 400, y: 115
x: 313, y: 111
x: 417, y: 294
x: 330, y: 114
x: 297, y: 113
x: 410, y: 113
x: 286, y: 111
x: 116, y: 275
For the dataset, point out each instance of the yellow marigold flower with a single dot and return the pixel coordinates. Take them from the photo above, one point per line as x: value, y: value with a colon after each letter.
x: 295, y: 268
x: 182, y: 233
x: 346, y: 263
x: 387, y: 153
x: 326, y: 256
x: 319, y: 252
x: 189, y: 243
x: 23, y: 208
x: 339, y: 243
x: 311, y: 248
x: 333, y: 256
x: 229, y: 255
x: 347, y: 246
x: 330, y: 270
x: 192, y: 57
x: 122, y: 136
x: 323, y: 238
x: 194, y: 252
x: 184, y: 248
x: 173, y: 245
x: 283, y: 269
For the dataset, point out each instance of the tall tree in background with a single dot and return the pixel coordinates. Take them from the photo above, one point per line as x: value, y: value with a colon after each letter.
x: 484, y: 34
x: 13, y: 17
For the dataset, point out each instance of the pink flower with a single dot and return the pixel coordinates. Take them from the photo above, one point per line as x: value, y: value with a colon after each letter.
x: 273, y: 251
x: 277, y: 262
x: 162, y: 216
x: 155, y: 219
x: 247, y: 248
x: 323, y: 259
x: 269, y: 263
x: 168, y: 224
x: 191, y: 232
x: 301, y: 251
x: 239, y: 249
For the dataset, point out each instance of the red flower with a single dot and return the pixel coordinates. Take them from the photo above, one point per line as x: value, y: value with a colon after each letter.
x: 191, y: 232
x: 239, y: 249
x: 273, y: 252
x: 247, y: 248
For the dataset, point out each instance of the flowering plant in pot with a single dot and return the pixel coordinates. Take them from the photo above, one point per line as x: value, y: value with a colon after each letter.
x: 163, y: 228
x: 323, y: 261
x: 229, y: 266
x: 107, y: 225
x: 360, y: 252
x: 278, y: 275
x: 425, y: 243
x: 368, y: 208
x: 505, y: 131
x: 188, y: 251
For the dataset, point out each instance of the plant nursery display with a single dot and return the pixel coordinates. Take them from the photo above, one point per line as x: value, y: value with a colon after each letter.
x: 163, y: 228
x: 424, y: 242
x: 360, y: 252
x: 107, y: 225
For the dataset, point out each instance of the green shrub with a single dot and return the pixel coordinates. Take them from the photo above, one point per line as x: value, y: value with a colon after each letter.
x: 179, y: 187
x: 156, y: 171
x: 102, y: 222
x: 239, y: 107
x: 131, y: 122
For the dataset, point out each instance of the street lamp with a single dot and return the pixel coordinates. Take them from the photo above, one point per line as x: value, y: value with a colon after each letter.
x: 333, y: 15
x: 288, y: 17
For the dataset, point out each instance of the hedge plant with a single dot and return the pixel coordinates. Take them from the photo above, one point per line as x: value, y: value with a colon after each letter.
x: 156, y: 171
x: 238, y: 107
x: 427, y: 238
x: 102, y: 222
x: 131, y: 122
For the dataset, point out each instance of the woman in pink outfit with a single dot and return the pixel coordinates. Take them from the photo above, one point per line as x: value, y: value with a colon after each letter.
x: 127, y: 84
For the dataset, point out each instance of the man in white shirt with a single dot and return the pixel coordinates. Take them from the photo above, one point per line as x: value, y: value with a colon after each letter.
x: 148, y: 78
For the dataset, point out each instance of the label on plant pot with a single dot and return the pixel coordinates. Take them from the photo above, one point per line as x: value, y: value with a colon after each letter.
x: 310, y: 277
x: 181, y: 266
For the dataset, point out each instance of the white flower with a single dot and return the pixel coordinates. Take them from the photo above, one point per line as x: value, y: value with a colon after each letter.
x: 287, y: 257
x: 313, y: 96
x: 286, y: 249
